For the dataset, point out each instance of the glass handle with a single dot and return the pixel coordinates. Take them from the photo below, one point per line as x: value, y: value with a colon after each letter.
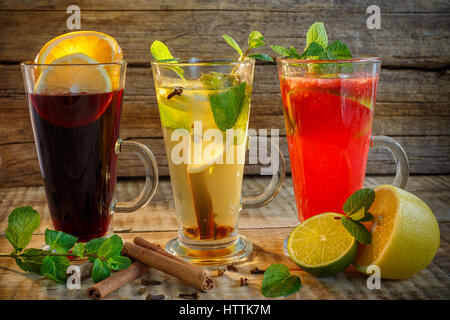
x: 151, y: 175
x: 401, y: 159
x: 275, y: 183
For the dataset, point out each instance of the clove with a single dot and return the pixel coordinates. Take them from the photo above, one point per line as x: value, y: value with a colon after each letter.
x: 232, y: 267
x: 256, y: 270
x: 193, y: 295
x: 243, y: 282
x: 177, y: 91
x: 155, y: 297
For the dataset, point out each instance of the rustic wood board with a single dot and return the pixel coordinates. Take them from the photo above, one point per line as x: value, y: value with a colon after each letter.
x: 157, y: 224
x: 190, y: 30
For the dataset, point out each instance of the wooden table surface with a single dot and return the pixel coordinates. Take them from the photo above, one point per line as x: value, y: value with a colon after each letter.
x: 265, y: 227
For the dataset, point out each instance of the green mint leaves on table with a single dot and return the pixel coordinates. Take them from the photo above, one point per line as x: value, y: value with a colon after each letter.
x: 317, y: 48
x: 22, y: 222
x: 160, y: 52
x: 53, y: 262
x: 278, y: 281
x: 356, y: 209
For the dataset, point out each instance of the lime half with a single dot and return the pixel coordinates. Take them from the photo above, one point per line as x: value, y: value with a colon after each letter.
x: 321, y: 246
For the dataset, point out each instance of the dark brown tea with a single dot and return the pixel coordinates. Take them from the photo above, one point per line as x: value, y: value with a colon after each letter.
x: 75, y: 137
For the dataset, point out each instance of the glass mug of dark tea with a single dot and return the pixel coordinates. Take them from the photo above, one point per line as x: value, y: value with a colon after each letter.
x: 75, y: 113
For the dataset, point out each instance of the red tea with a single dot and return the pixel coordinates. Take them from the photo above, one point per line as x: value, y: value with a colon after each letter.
x: 328, y: 125
x: 75, y: 138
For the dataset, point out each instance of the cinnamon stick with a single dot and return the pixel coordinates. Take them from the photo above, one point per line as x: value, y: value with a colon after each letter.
x: 184, y: 271
x: 116, y: 280
x: 144, y: 243
x: 85, y: 270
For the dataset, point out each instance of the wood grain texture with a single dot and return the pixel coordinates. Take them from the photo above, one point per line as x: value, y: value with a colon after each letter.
x: 156, y: 223
x: 230, y: 5
x: 192, y: 32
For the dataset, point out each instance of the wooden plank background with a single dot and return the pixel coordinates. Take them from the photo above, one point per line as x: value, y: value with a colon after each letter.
x: 412, y: 103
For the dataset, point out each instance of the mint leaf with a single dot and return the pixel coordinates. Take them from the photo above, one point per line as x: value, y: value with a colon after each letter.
x: 22, y: 222
x: 233, y: 43
x: 290, y: 53
x: 361, y: 198
x: 93, y: 246
x: 218, y: 80
x: 160, y: 52
x: 119, y: 262
x: 78, y: 250
x: 278, y: 281
x: 255, y: 40
x: 261, y: 56
x: 357, y: 230
x: 317, y: 34
x: 293, y: 52
x: 59, y: 241
x: 314, y: 51
x: 226, y: 106
x: 111, y: 247
x: 55, y: 267
x: 31, y: 263
x: 282, y: 51
x: 100, y: 270
x: 338, y: 50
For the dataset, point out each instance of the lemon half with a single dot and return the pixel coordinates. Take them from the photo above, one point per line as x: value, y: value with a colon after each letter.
x: 405, y: 234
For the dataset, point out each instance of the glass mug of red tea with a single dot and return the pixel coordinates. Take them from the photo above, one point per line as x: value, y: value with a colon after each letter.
x: 75, y: 113
x: 328, y: 110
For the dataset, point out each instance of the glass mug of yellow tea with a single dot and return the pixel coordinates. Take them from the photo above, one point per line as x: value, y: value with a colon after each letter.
x: 204, y: 107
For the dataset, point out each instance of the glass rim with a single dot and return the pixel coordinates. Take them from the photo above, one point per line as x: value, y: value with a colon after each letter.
x: 33, y: 64
x: 353, y: 60
x: 194, y: 61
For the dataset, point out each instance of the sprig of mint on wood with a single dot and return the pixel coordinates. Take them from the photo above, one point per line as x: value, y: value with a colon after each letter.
x: 356, y: 209
x: 52, y: 263
x: 317, y: 48
x: 279, y: 282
